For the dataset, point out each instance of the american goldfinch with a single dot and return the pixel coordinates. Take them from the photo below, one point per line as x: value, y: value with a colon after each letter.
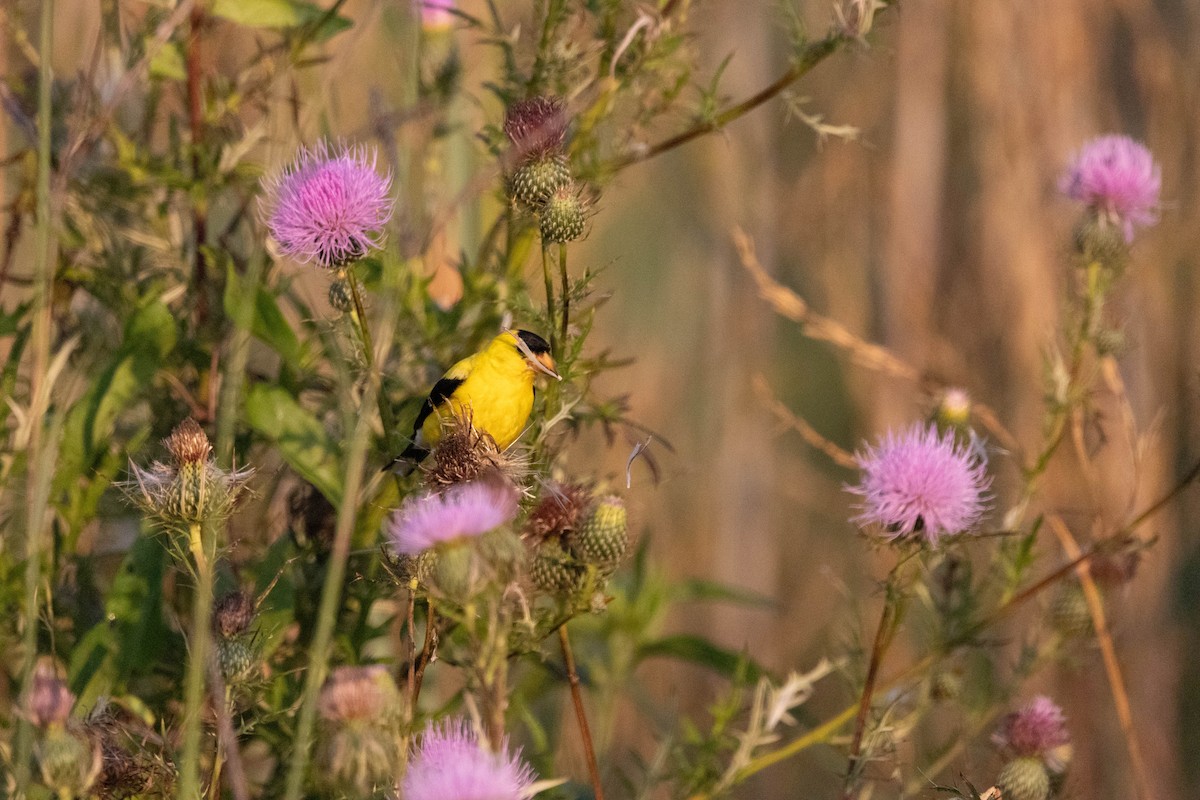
x: 493, y: 388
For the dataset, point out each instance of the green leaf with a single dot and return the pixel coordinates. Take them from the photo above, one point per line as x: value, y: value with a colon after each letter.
x: 132, y: 637
x: 268, y: 323
x: 301, y: 438
x: 698, y: 650
x: 278, y: 14
x: 168, y: 63
x: 698, y: 589
x: 149, y: 336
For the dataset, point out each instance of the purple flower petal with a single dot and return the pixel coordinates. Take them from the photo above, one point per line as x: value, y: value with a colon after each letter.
x: 330, y: 206
x: 451, y: 764
x: 920, y: 483
x: 467, y: 509
x: 1117, y: 178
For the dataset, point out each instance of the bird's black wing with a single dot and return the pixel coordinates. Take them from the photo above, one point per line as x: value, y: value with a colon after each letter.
x: 439, y: 394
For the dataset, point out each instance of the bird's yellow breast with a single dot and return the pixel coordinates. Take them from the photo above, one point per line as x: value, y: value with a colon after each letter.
x: 496, y: 395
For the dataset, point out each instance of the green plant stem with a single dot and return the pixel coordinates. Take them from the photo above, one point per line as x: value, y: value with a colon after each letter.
x: 38, y: 470
x: 327, y: 613
x: 550, y: 314
x: 566, y: 292
x: 202, y: 545
x: 554, y: 12
x: 585, y: 733
x: 812, y: 55
x: 386, y: 416
x: 234, y: 376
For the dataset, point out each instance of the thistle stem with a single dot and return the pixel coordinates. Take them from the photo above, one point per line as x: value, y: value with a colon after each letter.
x: 331, y: 594
x: 887, y: 622
x: 566, y: 292
x: 585, y: 733
x: 549, y: 295
x: 198, y: 652
x: 35, y: 515
x: 386, y: 416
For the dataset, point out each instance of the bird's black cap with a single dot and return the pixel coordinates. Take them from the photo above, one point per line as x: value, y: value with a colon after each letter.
x: 536, y: 344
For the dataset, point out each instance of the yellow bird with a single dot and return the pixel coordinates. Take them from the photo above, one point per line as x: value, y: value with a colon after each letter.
x: 493, y: 388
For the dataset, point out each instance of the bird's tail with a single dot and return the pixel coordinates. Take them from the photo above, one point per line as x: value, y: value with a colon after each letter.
x: 405, y: 463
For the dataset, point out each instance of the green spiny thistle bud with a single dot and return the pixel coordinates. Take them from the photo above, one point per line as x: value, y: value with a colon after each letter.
x: 603, y: 538
x: 453, y: 570
x: 189, y: 496
x: 238, y: 658
x: 1099, y: 240
x: 563, y: 217
x: 69, y: 761
x: 503, y: 551
x: 555, y: 571
x: 1024, y: 779
x: 341, y: 298
x: 1069, y: 614
x: 536, y: 181
x: 359, y: 760
x: 190, y: 489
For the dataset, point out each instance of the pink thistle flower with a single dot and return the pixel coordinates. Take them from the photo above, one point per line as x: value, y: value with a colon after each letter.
x: 467, y: 509
x: 1034, y: 731
x: 920, y: 482
x: 452, y: 764
x: 330, y: 206
x: 436, y: 14
x: 1117, y: 178
x: 50, y: 700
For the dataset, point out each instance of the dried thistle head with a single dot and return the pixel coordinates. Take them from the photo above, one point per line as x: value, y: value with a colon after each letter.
x: 466, y: 454
x: 559, y: 510
x: 233, y: 613
x: 132, y: 762
x: 188, y: 444
x: 536, y: 126
x: 358, y: 694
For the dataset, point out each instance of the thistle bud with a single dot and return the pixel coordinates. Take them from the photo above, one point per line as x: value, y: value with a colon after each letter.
x: 953, y: 409
x: 1069, y: 614
x: 555, y: 571
x: 604, y: 536
x: 1099, y: 241
x: 50, y: 700
x: 360, y: 710
x: 563, y: 217
x: 69, y: 761
x: 535, y: 182
x: 1024, y: 779
x: 341, y: 297
x: 189, y: 490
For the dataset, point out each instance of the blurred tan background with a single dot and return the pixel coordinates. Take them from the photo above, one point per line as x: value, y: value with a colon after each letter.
x: 938, y: 232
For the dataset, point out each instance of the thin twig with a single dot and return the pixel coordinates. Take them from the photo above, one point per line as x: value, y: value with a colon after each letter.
x: 426, y: 652
x: 585, y: 732
x: 815, y: 440
x: 812, y: 55
x: 878, y: 648
x: 1112, y: 667
x: 866, y: 354
x: 1161, y: 502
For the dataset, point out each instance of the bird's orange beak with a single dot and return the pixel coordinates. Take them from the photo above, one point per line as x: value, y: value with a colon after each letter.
x: 544, y: 362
